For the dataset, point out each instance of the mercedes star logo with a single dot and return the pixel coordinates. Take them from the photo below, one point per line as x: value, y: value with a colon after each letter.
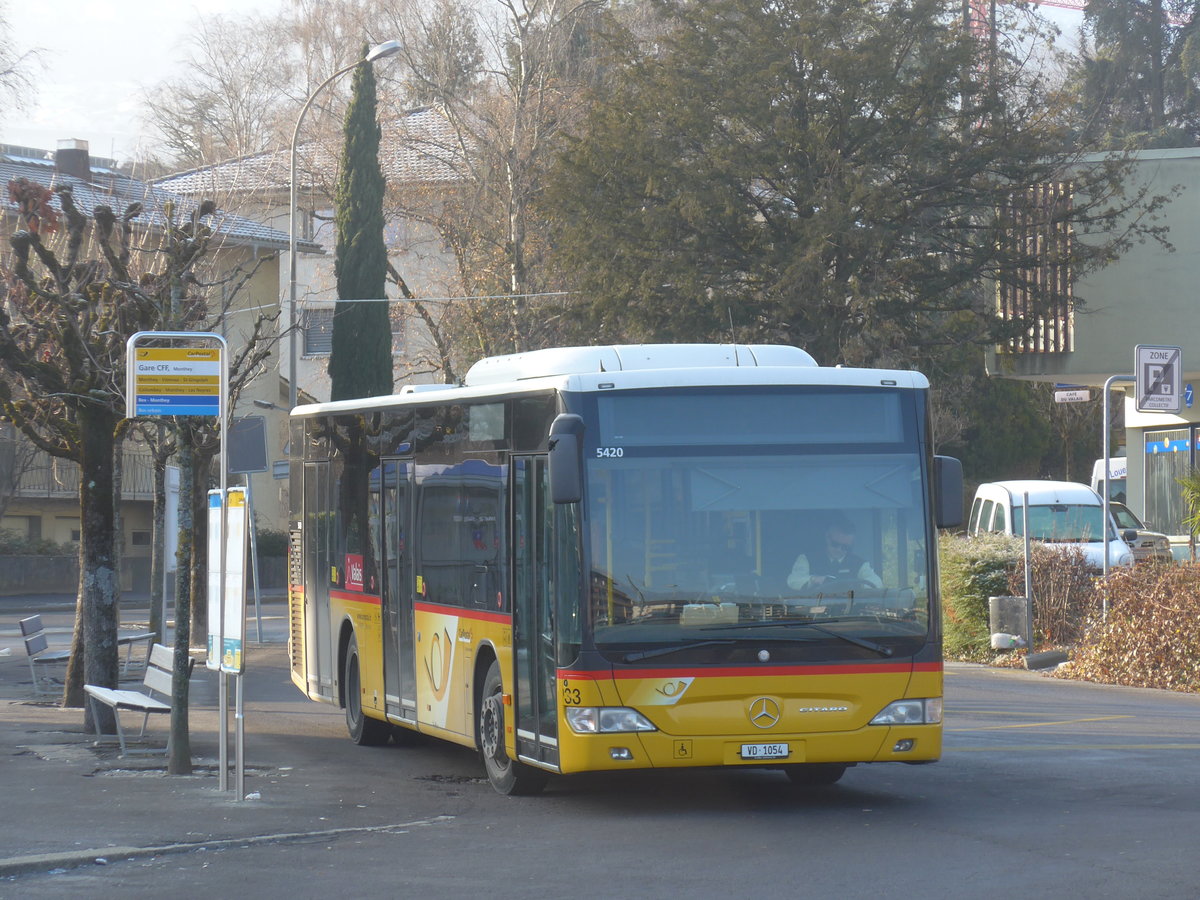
x: 764, y: 712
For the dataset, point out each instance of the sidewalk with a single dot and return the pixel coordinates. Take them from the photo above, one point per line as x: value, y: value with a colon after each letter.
x: 68, y: 803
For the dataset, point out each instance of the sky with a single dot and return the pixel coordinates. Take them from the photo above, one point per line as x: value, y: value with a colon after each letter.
x: 98, y: 58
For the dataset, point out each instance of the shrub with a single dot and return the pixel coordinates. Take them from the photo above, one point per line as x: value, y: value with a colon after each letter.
x: 1149, y: 638
x: 972, y: 570
x: 1064, y: 594
x: 13, y: 544
x: 271, y: 542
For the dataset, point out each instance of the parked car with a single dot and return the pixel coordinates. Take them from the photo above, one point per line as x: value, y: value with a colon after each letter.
x: 1147, y: 546
x: 1061, y: 514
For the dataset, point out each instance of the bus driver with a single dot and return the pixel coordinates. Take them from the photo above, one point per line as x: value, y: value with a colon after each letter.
x: 836, y: 561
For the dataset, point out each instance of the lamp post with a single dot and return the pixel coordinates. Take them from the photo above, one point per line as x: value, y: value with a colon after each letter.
x: 379, y: 51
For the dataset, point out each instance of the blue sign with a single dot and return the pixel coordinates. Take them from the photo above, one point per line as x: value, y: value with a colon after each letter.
x: 1188, y: 394
x: 160, y: 405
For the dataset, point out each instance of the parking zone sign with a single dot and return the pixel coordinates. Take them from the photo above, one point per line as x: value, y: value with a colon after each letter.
x: 1159, y: 378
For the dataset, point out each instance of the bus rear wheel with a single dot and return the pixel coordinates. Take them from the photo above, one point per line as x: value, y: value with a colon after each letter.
x: 815, y: 774
x: 506, y: 775
x: 363, y: 730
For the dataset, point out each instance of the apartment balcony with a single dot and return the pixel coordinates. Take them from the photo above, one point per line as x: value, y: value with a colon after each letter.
x: 27, y: 473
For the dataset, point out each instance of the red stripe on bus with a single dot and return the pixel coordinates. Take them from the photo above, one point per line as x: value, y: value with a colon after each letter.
x: 354, y: 597
x: 753, y: 671
x: 476, y: 614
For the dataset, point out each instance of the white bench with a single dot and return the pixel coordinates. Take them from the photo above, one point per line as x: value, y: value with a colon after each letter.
x: 48, y: 667
x: 42, y: 659
x: 159, y: 668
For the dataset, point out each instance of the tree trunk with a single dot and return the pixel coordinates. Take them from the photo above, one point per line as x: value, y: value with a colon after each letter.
x: 98, y: 576
x: 179, y: 761
x: 198, y: 574
x: 73, y: 682
x: 158, y: 549
x: 118, y: 526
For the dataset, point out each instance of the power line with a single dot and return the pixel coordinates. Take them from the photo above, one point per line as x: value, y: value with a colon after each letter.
x: 321, y: 303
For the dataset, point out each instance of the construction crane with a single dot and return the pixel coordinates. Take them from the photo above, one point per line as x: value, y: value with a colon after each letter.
x: 981, y: 15
x: 1080, y: 5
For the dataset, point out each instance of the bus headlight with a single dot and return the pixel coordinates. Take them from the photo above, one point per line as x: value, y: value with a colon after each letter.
x: 606, y: 720
x: 910, y: 712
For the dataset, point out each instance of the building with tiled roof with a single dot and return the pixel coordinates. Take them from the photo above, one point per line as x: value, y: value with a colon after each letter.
x: 94, y: 185
x: 44, y: 504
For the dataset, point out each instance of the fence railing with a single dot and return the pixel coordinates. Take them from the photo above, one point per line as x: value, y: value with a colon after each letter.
x: 29, y: 473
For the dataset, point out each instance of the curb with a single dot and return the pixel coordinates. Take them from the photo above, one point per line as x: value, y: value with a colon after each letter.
x: 1045, y: 659
x: 73, y: 859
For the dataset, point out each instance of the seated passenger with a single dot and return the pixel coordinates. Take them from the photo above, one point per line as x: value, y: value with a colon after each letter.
x: 835, y: 562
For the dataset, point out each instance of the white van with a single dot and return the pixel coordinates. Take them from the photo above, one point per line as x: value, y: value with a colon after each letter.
x: 1118, y: 471
x: 1061, y: 513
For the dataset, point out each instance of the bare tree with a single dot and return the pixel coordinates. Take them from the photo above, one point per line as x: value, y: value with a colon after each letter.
x: 510, y: 76
x: 17, y: 86
x: 230, y: 97
x: 62, y: 328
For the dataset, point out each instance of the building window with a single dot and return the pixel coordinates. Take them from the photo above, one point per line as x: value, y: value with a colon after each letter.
x: 1039, y: 296
x: 318, y: 331
x: 1170, y: 455
x: 140, y: 538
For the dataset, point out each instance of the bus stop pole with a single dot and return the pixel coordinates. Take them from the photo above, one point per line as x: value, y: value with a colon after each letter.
x: 1105, y: 498
x: 1028, y: 577
x: 254, y: 556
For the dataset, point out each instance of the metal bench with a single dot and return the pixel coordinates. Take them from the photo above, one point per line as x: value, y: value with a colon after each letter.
x: 130, y: 639
x: 43, y: 662
x: 158, y: 677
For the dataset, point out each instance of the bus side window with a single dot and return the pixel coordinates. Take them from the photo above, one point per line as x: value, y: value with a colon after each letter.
x: 999, y: 524
x: 973, y: 528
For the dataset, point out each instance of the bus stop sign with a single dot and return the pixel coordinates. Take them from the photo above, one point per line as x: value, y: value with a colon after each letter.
x: 1158, y: 372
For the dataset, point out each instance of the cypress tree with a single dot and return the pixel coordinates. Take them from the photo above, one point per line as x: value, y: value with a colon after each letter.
x: 360, y: 361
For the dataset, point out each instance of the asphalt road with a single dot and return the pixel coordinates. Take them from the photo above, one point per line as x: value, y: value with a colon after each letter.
x: 1048, y: 788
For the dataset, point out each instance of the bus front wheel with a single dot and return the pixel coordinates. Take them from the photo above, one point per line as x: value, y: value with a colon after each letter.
x: 363, y: 730
x: 506, y: 775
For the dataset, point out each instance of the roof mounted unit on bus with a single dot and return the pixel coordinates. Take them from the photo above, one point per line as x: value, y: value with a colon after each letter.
x: 423, y: 388
x: 629, y: 357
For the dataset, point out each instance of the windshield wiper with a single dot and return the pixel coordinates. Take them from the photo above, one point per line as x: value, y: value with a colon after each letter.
x: 663, y: 651
x: 850, y: 639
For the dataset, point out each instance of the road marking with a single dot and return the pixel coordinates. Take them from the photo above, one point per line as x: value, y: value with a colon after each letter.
x: 44, y: 862
x: 1040, y: 724
x: 1074, y: 748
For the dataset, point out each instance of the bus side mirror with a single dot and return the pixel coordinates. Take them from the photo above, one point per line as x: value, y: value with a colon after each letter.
x: 566, y: 458
x: 947, y: 492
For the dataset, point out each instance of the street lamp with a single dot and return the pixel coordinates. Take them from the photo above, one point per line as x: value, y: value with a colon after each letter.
x: 379, y: 51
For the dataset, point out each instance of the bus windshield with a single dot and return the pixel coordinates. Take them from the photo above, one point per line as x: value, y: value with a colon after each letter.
x: 719, y: 550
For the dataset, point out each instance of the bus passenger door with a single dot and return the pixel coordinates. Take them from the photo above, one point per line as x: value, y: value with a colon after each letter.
x: 318, y: 651
x: 399, y: 670
x: 533, y: 544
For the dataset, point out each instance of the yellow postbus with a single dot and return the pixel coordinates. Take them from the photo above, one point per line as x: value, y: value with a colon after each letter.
x: 628, y: 557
